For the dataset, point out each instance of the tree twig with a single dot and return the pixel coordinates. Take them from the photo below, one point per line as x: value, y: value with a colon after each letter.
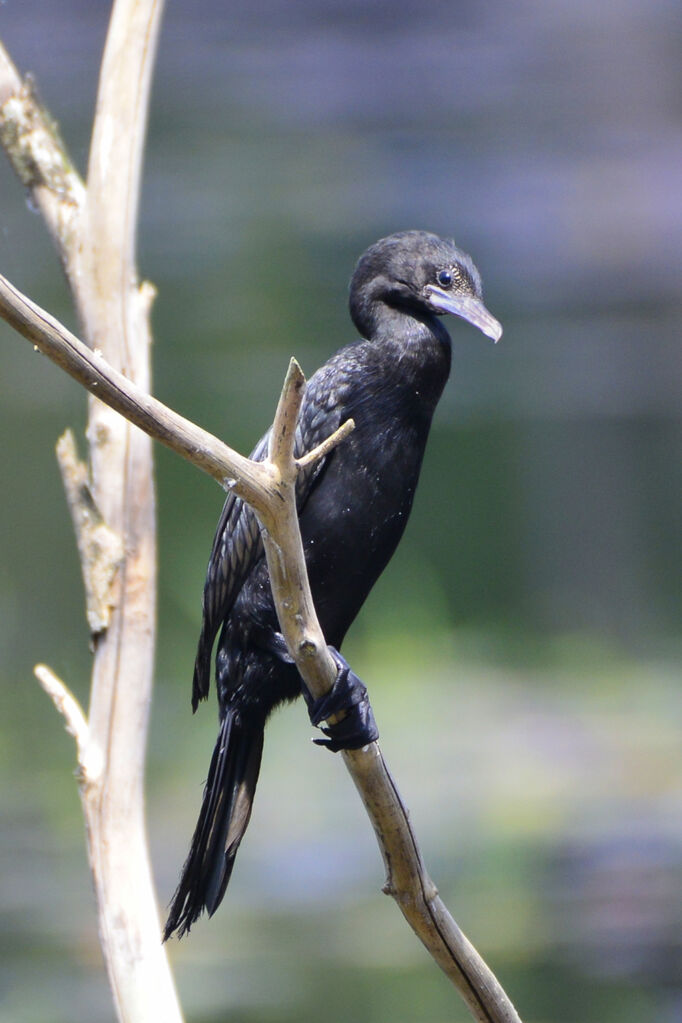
x: 100, y: 549
x: 407, y: 880
x: 32, y: 143
x: 70, y: 709
x: 325, y: 447
x: 91, y: 370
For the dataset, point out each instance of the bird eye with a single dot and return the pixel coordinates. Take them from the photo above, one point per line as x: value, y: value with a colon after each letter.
x: 444, y: 278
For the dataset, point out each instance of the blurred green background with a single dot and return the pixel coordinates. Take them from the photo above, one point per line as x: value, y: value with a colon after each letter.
x: 523, y: 649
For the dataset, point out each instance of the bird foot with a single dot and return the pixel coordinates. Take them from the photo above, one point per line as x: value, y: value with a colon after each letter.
x: 348, y: 696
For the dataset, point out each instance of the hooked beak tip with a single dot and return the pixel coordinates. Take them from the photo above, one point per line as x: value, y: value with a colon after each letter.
x: 468, y: 308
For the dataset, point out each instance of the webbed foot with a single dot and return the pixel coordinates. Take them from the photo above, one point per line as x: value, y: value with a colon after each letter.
x: 349, y: 696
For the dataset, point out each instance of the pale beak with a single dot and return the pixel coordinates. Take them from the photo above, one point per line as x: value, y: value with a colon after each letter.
x: 469, y: 308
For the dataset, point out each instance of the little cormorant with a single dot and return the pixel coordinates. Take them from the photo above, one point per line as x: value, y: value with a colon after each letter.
x: 353, y: 506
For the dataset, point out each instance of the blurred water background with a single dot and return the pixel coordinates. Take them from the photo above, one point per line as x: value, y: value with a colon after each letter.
x: 523, y: 650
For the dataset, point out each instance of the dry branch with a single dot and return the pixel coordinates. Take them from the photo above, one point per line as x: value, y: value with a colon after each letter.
x: 93, y: 227
x: 100, y: 549
x: 32, y: 143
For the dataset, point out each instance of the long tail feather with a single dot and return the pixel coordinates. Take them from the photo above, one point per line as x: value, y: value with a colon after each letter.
x: 224, y: 816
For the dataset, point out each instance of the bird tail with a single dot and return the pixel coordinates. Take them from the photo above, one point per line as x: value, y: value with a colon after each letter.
x: 224, y: 816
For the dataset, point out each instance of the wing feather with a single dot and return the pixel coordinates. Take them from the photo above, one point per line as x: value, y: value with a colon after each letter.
x: 237, y: 545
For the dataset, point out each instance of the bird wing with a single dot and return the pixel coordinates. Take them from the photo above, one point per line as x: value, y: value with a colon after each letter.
x: 237, y: 545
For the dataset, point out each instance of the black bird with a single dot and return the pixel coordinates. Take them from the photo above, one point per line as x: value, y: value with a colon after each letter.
x: 353, y: 507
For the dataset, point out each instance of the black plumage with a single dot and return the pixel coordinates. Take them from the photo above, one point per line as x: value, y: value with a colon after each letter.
x: 353, y: 507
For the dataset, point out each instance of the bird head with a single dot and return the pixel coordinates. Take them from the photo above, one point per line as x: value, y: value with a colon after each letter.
x: 423, y: 275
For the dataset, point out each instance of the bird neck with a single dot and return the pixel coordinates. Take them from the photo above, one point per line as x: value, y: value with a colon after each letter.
x: 415, y: 353
x: 404, y: 326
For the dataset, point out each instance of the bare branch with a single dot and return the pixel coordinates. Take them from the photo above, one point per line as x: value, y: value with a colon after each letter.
x: 68, y: 706
x: 91, y: 370
x: 117, y: 147
x: 100, y: 549
x: 89, y: 756
x: 94, y: 230
x: 38, y: 155
x: 283, y: 430
x: 417, y: 896
x: 326, y: 446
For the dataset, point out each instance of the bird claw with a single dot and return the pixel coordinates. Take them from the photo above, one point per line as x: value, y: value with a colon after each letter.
x: 349, y: 696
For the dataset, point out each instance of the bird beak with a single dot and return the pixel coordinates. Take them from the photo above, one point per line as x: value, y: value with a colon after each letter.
x: 469, y: 308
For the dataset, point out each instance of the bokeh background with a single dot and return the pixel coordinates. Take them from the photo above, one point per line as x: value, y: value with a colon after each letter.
x: 523, y: 649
